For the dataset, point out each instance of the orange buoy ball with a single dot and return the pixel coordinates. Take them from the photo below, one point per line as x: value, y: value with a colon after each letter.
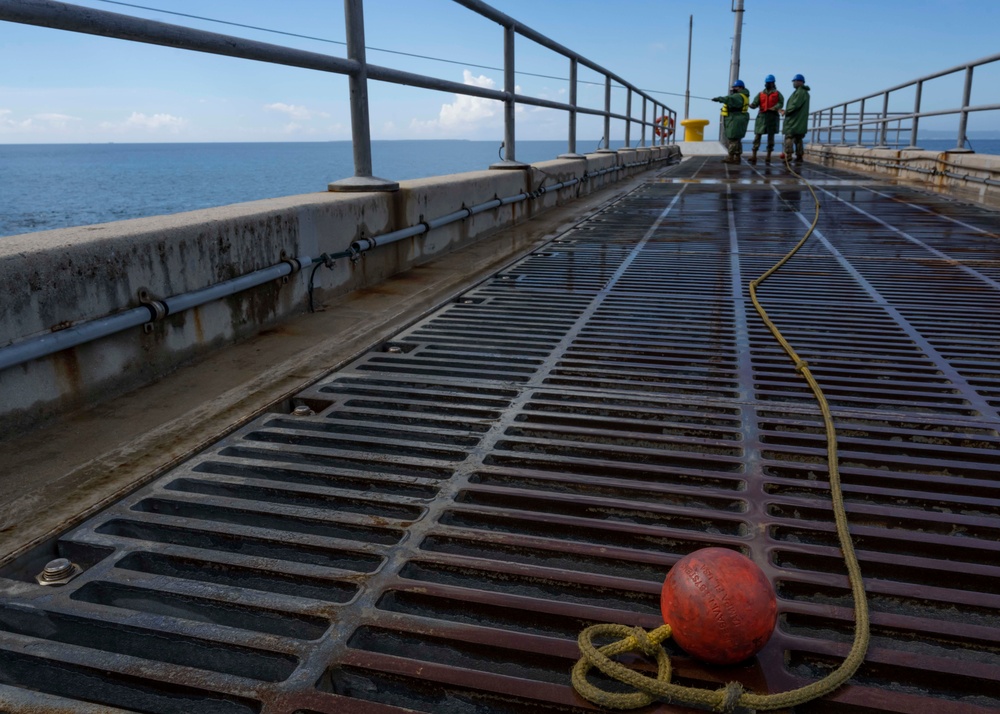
x: 720, y: 606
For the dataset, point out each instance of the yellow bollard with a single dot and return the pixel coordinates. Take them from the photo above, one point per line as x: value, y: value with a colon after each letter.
x: 694, y: 129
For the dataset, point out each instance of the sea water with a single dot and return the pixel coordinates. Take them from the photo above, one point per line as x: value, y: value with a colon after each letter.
x: 45, y: 186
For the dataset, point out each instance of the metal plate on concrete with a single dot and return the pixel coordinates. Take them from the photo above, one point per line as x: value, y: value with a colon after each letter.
x: 435, y: 524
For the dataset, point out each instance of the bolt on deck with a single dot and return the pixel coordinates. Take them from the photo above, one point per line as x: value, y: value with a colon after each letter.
x: 430, y: 527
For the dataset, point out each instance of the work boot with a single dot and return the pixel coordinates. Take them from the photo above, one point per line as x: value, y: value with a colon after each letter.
x: 798, y: 159
x: 753, y: 158
x: 767, y: 159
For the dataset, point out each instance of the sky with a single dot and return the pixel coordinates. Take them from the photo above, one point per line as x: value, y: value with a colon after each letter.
x: 62, y: 87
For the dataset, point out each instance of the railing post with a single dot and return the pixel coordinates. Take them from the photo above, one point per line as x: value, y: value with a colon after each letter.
x: 829, y: 129
x: 964, y: 118
x: 361, y: 137
x: 916, y: 116
x: 571, y: 148
x: 843, y: 128
x: 607, y: 114
x: 509, y: 86
x: 642, y: 130
x: 628, y: 120
x: 861, y: 124
x: 884, y: 127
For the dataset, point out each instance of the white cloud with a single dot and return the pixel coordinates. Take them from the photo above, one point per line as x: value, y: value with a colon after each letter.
x: 418, y: 128
x: 7, y: 123
x: 466, y: 116
x: 36, y: 122
x: 153, y: 122
x: 57, y: 117
x: 295, y: 111
x: 56, y: 121
x: 467, y: 110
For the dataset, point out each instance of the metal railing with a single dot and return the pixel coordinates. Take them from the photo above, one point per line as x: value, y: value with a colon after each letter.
x: 869, y: 116
x: 74, y: 18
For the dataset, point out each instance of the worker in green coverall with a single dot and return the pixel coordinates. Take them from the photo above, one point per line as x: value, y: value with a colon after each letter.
x: 770, y: 101
x: 796, y: 119
x: 735, y: 119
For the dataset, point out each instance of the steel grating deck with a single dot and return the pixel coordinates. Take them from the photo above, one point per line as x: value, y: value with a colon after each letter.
x: 533, y: 457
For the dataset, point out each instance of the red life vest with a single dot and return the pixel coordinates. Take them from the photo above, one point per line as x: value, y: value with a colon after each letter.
x: 768, y: 101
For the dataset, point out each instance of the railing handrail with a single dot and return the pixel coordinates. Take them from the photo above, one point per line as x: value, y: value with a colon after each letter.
x: 492, y: 13
x: 912, y: 82
x: 823, y: 120
x: 75, y: 18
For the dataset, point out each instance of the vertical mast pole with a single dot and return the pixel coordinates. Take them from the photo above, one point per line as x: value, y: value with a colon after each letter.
x: 687, y: 91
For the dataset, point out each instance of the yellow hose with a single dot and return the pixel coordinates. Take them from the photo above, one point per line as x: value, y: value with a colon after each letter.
x: 732, y: 695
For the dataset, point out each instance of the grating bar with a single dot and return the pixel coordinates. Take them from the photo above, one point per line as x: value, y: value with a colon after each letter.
x: 534, y: 456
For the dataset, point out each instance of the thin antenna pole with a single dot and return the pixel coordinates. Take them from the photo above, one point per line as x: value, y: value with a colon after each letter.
x: 687, y: 91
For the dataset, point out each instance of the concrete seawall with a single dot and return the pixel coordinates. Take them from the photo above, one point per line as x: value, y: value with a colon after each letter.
x: 969, y: 177
x: 53, y: 280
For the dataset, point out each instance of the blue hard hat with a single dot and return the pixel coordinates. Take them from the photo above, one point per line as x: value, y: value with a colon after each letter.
x: 739, y: 83
x: 769, y: 79
x: 798, y: 78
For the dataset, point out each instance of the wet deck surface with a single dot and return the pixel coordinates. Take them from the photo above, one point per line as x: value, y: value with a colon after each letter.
x: 533, y: 457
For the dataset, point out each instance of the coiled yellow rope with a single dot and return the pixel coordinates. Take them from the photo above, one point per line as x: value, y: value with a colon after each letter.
x: 732, y: 695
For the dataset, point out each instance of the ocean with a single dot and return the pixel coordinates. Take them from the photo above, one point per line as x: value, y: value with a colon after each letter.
x: 45, y: 186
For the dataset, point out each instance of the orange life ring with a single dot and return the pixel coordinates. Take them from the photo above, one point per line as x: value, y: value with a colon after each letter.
x: 664, y: 126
